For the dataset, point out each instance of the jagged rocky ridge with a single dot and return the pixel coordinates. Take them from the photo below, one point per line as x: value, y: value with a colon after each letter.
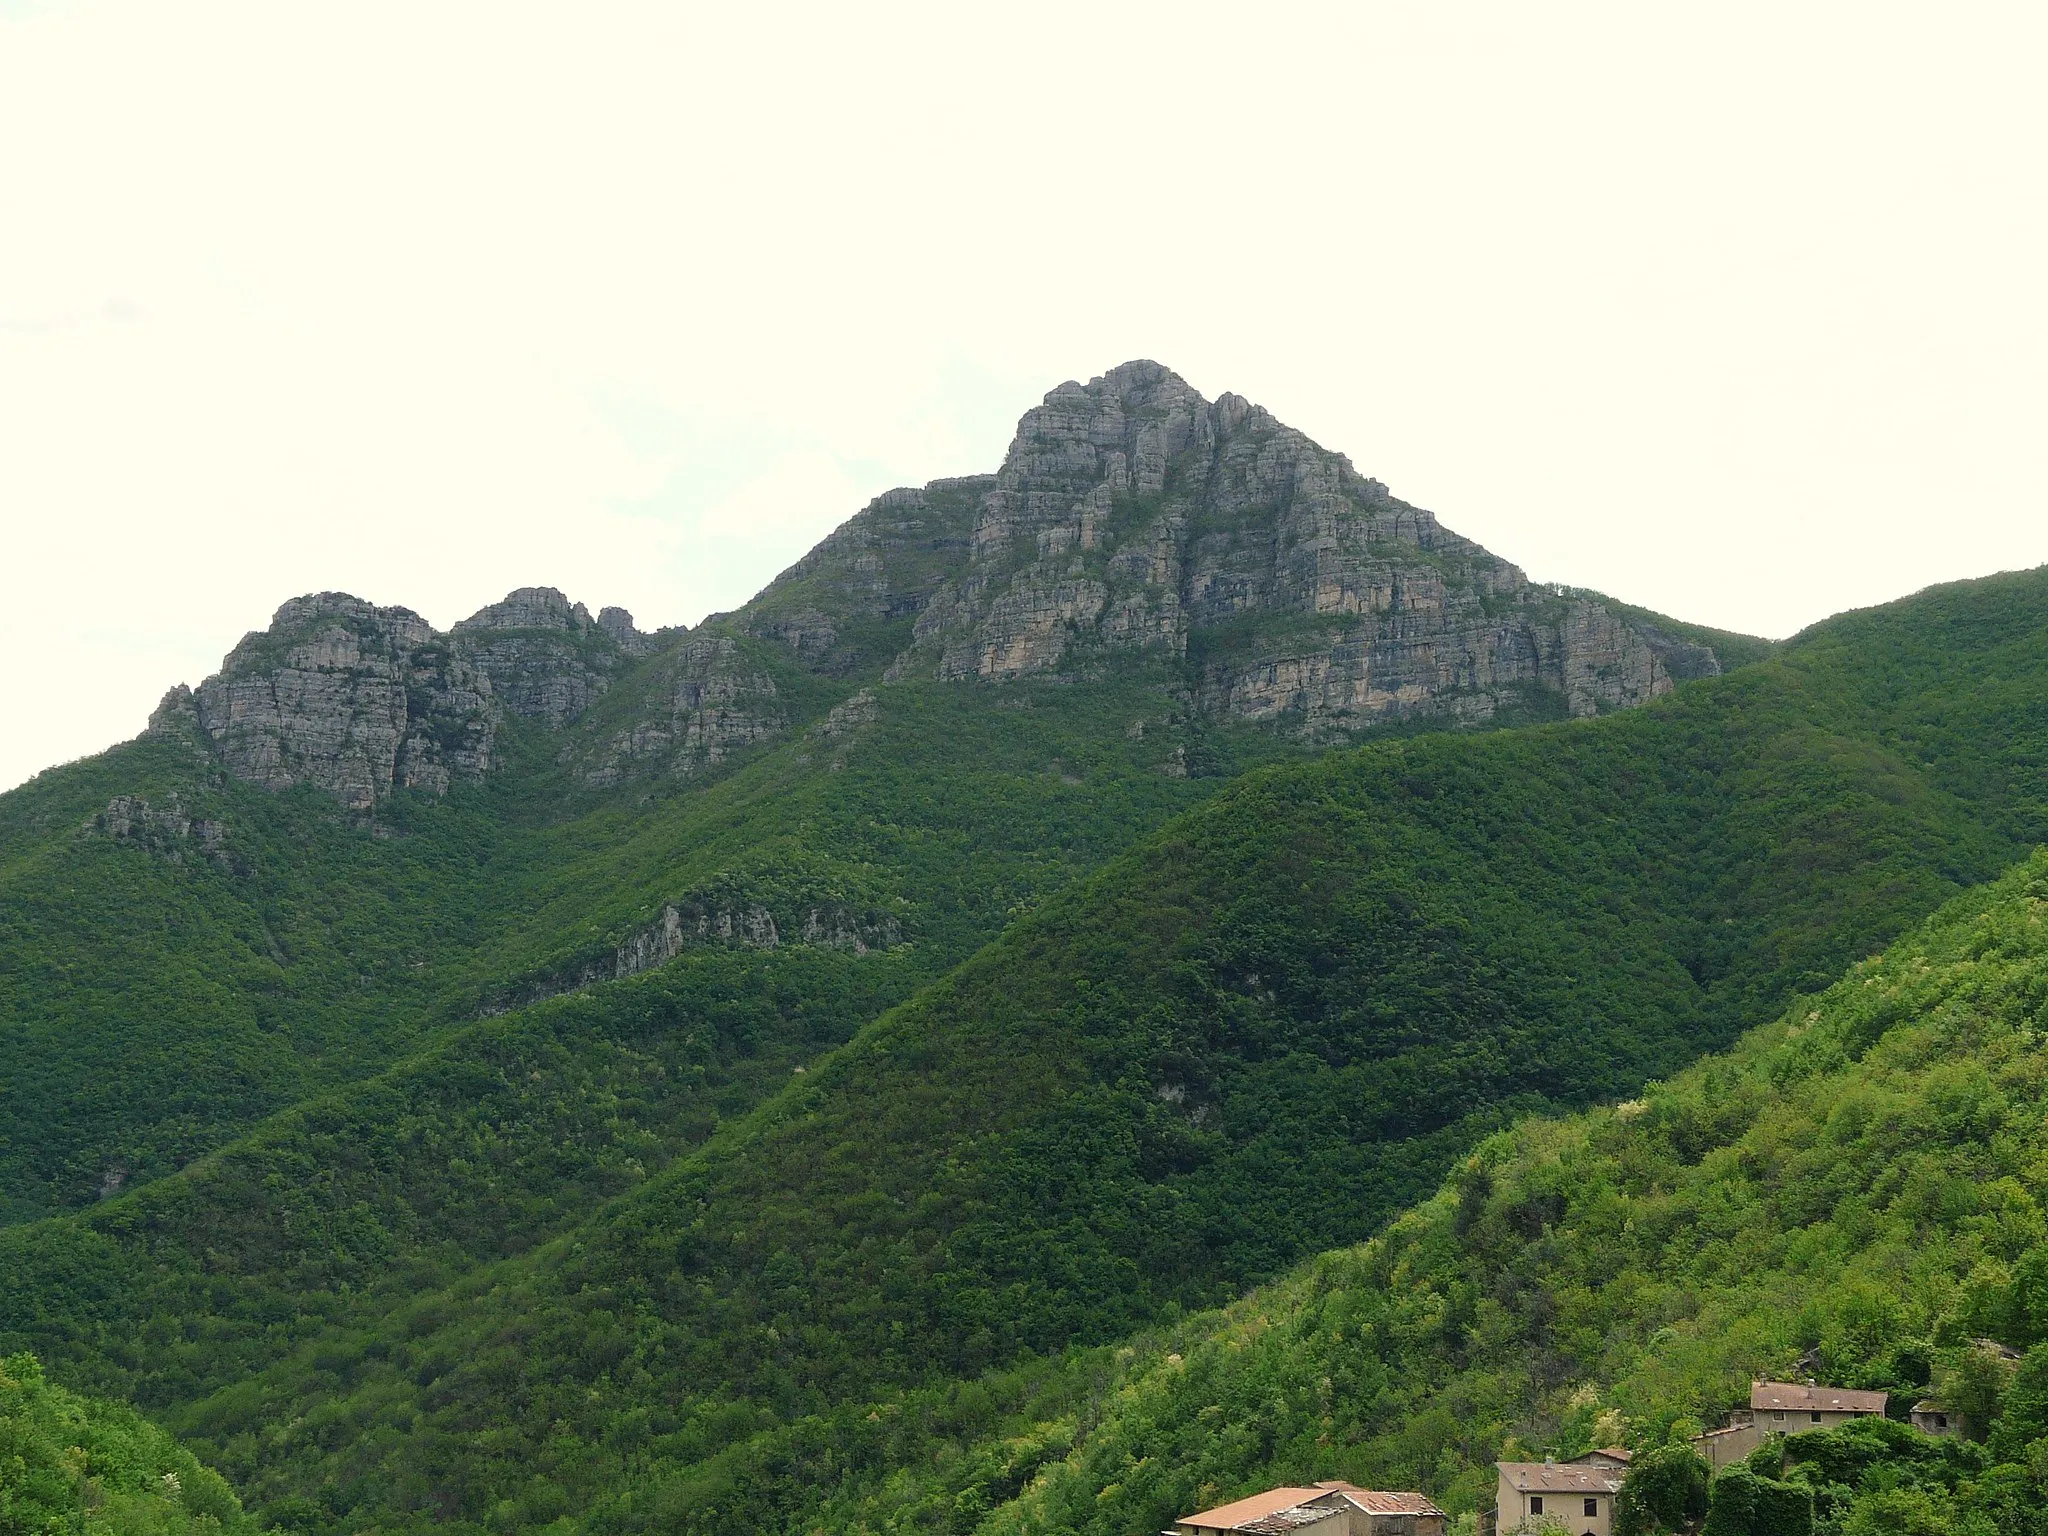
x: 1131, y: 518
x: 362, y: 701
x: 1131, y: 514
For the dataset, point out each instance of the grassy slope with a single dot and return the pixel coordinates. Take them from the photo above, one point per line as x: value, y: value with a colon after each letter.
x: 1256, y: 1038
x: 74, y: 1465
x: 1860, y: 1183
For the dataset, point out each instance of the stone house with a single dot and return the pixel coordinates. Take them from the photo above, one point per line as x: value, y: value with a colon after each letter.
x: 1576, y: 1496
x: 1320, y: 1509
x: 1933, y: 1417
x: 1785, y: 1408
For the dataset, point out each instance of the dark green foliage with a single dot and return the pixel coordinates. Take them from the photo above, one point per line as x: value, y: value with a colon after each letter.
x: 70, y: 1466
x: 1666, y: 1490
x: 1744, y: 1504
x: 2024, y: 1418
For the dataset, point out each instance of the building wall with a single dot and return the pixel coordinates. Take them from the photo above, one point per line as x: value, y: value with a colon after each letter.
x: 1512, y: 1511
x: 1724, y: 1447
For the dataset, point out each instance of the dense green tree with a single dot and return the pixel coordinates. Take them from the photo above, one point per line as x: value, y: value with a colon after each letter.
x: 1665, y: 1490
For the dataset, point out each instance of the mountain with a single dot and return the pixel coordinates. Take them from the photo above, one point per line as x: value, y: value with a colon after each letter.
x: 541, y: 1072
x: 362, y: 831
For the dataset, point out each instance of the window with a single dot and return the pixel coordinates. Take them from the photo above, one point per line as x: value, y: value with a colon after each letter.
x: 1777, y: 1415
x: 1536, y: 1504
x: 1592, y: 1507
x: 1941, y: 1421
x: 1816, y: 1416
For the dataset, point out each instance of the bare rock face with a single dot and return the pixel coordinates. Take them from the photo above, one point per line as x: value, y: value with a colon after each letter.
x: 714, y: 701
x: 363, y: 701
x: 355, y: 699
x: 1131, y: 514
x: 546, y: 658
x: 723, y: 920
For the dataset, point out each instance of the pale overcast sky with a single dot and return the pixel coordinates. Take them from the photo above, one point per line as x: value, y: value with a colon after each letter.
x: 1736, y: 310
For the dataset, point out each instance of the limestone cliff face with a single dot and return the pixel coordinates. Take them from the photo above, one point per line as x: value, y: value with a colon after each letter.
x: 709, y: 700
x: 1132, y: 514
x: 363, y: 701
x: 1256, y: 576
x: 355, y: 699
x: 546, y: 657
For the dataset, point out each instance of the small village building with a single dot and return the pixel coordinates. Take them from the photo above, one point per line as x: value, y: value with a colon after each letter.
x: 1377, y: 1513
x: 1785, y: 1408
x: 1937, y: 1418
x: 1575, y: 1496
x: 1320, y: 1509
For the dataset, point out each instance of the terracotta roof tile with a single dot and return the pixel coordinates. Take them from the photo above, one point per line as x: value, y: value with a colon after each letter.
x: 1229, y: 1517
x: 1785, y: 1396
x: 1560, y: 1477
x: 1376, y: 1502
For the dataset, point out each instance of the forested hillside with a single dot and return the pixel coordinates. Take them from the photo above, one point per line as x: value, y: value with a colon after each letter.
x: 1256, y: 1037
x: 1858, y: 1186
x: 361, y: 831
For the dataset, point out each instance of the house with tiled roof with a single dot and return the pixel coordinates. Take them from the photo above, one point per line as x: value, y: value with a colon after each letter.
x: 1785, y: 1408
x: 1575, y: 1496
x: 1318, y: 1509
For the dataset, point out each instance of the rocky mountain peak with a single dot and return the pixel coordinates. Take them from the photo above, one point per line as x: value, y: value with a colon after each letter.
x: 1257, y: 575
x: 532, y: 608
x: 1132, y: 514
x: 354, y: 698
x: 362, y: 700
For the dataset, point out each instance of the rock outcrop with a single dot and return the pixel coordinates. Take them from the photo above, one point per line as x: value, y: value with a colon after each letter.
x: 1131, y: 512
x: 355, y: 699
x: 1131, y: 515
x: 165, y: 831
x: 1254, y: 575
x: 547, y: 659
x: 709, y: 920
x: 712, y: 699
x: 362, y: 701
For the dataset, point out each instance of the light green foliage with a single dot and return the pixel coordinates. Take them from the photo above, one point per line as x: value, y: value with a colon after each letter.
x: 71, y: 1466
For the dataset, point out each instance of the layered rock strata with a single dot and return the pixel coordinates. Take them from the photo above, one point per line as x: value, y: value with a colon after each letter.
x: 702, y: 921
x: 1131, y: 515
x: 547, y: 659
x: 363, y: 701
x: 712, y: 699
x: 1130, y: 512
x: 355, y: 699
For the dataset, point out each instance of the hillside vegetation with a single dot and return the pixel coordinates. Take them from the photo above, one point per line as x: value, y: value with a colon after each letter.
x: 158, y: 1001
x: 71, y: 1466
x: 1858, y: 1186
x: 1258, y: 1037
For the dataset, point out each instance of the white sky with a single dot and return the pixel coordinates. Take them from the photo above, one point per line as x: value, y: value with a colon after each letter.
x: 1734, y: 310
